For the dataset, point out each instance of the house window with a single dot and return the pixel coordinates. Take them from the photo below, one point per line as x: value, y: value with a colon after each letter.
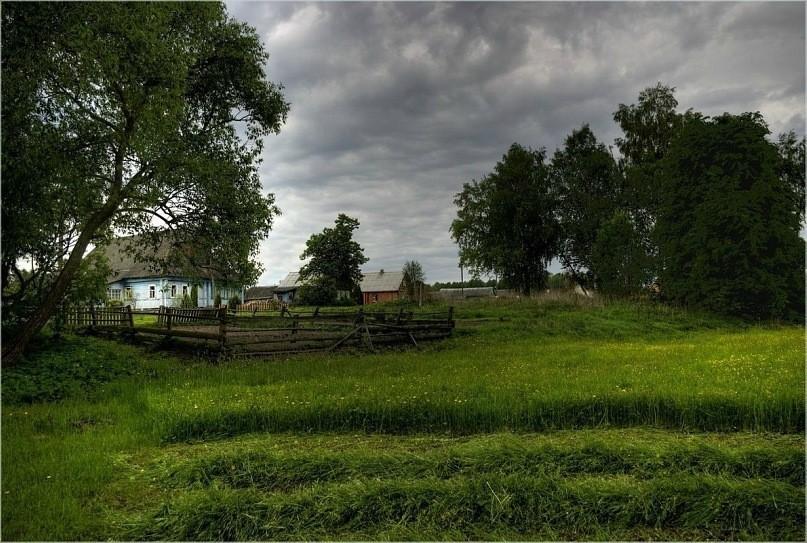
x: 152, y: 291
x: 173, y: 291
x: 114, y: 293
x: 184, y: 290
x: 127, y: 293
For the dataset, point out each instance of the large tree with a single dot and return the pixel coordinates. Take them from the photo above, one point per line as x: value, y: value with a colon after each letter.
x: 589, y: 187
x: 334, y: 255
x: 727, y: 229
x: 506, y: 222
x: 130, y: 118
x: 648, y: 127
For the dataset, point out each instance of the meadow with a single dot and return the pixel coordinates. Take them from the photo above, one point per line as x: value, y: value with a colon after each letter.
x: 539, y: 419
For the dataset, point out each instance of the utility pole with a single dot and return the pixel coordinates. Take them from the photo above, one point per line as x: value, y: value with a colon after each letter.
x: 462, y: 283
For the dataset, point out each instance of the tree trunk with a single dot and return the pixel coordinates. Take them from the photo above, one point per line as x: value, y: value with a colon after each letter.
x: 13, y: 349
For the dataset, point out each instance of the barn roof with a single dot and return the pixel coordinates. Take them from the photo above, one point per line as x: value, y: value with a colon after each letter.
x: 125, y: 265
x: 382, y: 281
x: 257, y: 293
x: 292, y: 280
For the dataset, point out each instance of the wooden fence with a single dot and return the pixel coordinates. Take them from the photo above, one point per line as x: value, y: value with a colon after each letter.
x: 281, y: 332
x: 94, y: 317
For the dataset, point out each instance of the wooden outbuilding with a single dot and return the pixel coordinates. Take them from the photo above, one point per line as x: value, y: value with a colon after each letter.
x: 381, y: 286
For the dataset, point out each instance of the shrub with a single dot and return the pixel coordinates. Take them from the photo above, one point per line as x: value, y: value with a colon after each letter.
x: 321, y: 291
x: 71, y: 367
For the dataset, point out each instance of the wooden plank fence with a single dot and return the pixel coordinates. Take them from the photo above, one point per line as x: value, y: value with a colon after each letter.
x: 285, y: 333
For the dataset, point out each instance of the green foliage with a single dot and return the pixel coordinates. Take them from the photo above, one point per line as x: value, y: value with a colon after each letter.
x: 186, y: 302
x: 320, y: 291
x: 727, y: 228
x: 589, y: 188
x: 66, y: 368
x: 623, y: 267
x: 90, y: 282
x: 413, y: 278
x: 133, y: 117
x: 792, y: 168
x: 217, y: 300
x: 334, y: 255
x: 649, y: 126
x: 194, y: 296
x: 234, y: 301
x: 506, y: 222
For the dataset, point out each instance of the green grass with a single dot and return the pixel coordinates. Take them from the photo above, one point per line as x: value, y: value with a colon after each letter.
x: 652, y: 423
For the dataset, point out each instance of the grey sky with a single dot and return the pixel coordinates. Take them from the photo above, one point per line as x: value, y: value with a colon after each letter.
x: 395, y: 105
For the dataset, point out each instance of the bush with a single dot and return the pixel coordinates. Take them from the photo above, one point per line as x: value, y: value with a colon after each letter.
x: 71, y: 367
x: 217, y: 300
x: 319, y: 292
x: 234, y: 301
x: 186, y: 302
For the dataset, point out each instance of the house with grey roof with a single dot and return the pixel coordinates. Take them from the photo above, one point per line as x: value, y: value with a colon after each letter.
x: 145, y: 285
x: 287, y: 288
x: 382, y: 286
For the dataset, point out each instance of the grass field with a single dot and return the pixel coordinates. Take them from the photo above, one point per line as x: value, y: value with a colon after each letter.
x: 537, y: 420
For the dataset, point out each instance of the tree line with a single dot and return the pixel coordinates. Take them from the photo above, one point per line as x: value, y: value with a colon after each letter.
x: 708, y: 210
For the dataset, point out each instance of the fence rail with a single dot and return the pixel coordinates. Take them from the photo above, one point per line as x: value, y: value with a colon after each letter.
x: 247, y: 334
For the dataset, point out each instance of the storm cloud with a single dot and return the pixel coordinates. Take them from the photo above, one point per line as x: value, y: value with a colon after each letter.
x: 396, y: 105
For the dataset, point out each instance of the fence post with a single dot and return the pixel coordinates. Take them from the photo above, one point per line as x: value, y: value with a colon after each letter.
x: 222, y: 329
x: 131, y: 317
x: 451, y: 313
x: 93, y: 316
x: 169, y: 312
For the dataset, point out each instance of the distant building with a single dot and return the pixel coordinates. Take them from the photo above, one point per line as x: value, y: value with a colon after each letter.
x: 381, y: 286
x: 260, y: 294
x: 143, y: 286
x: 286, y: 289
x: 470, y: 292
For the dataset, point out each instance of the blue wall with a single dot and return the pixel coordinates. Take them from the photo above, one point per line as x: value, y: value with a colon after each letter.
x: 152, y: 292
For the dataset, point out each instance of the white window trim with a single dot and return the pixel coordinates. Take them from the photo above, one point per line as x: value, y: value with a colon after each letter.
x: 152, y: 292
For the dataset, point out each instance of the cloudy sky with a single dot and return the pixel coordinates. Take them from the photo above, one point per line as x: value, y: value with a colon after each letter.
x: 395, y: 105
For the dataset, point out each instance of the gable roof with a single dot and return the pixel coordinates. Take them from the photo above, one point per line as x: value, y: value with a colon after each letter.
x: 382, y: 281
x: 292, y: 280
x: 125, y: 265
x: 257, y: 293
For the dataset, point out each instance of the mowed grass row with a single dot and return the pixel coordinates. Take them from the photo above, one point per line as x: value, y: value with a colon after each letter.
x: 594, y: 484
x: 281, y: 464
